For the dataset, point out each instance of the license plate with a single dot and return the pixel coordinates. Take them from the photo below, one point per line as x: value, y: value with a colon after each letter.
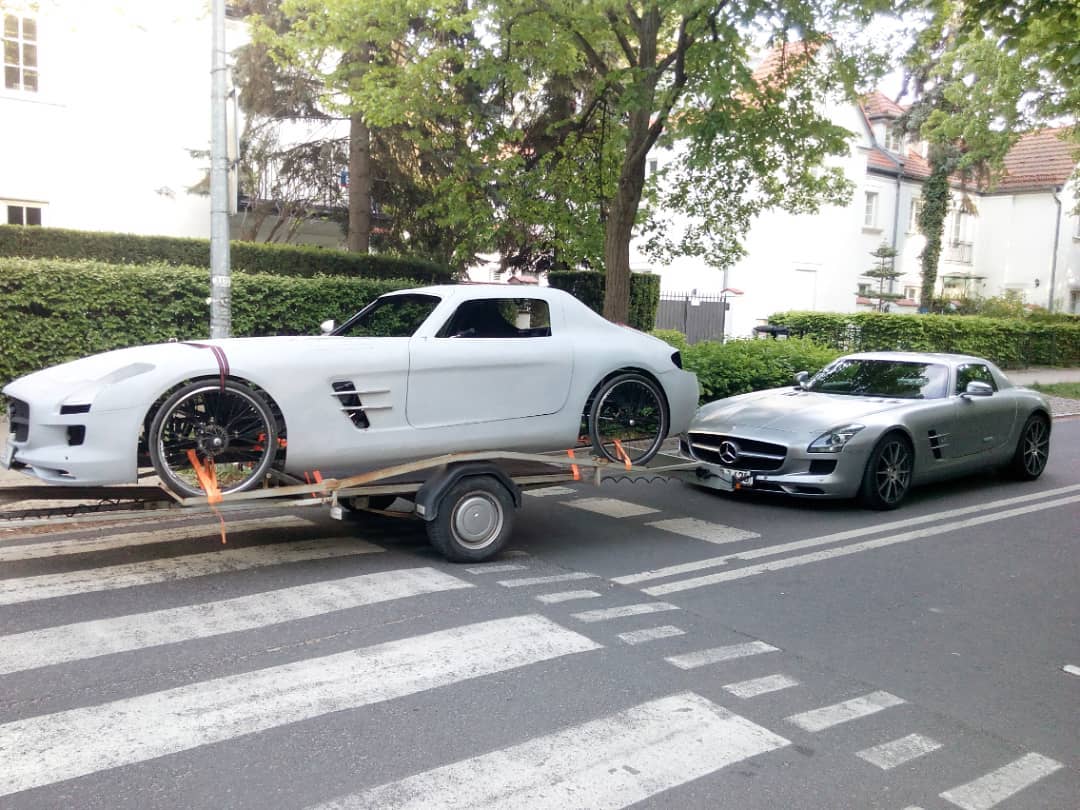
x: 728, y: 480
x: 8, y: 456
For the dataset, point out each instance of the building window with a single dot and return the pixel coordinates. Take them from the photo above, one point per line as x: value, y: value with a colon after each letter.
x: 871, y: 213
x: 913, y: 218
x: 1074, y: 302
x: 20, y: 53
x: 865, y: 289
x: 1076, y: 233
x: 894, y: 142
x: 653, y: 166
x: 911, y: 293
x: 23, y: 215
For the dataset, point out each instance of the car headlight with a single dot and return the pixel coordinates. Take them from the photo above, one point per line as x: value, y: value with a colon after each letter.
x: 833, y: 441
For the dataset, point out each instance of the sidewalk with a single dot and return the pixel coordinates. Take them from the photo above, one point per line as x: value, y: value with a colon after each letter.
x: 1046, y: 376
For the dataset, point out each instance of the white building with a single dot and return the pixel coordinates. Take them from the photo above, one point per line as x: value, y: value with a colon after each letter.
x: 1023, y: 238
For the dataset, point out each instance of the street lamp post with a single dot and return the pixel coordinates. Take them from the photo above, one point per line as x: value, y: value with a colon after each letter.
x: 220, y: 275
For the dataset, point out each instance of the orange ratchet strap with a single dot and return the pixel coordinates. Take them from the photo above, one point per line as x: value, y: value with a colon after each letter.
x: 208, y: 481
x: 574, y: 467
x: 622, y: 453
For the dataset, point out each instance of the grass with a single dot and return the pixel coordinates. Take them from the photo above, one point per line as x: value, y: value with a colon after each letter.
x: 1068, y: 390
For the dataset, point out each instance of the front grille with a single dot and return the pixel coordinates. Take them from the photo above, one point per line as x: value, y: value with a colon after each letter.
x: 752, y: 455
x: 19, y: 419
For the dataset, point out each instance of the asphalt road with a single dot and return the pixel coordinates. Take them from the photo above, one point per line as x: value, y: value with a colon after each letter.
x: 652, y: 645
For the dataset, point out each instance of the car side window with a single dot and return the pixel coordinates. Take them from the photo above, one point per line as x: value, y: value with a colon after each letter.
x: 973, y: 372
x: 499, y: 318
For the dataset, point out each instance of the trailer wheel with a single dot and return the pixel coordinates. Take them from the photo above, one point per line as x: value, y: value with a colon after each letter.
x: 474, y: 520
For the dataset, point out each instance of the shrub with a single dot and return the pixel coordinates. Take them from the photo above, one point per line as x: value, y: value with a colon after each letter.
x: 741, y: 366
x: 1009, y: 342
x: 588, y: 287
x: 56, y: 311
x: 245, y: 257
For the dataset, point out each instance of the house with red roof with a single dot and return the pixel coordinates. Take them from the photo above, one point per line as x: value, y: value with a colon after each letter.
x: 1017, y: 236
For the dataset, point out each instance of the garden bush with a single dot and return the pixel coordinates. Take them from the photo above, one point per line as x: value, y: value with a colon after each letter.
x: 1009, y: 342
x: 740, y: 366
x: 588, y: 287
x: 54, y: 311
x: 245, y: 257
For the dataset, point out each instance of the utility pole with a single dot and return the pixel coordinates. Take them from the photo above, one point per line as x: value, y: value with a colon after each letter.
x: 220, y: 275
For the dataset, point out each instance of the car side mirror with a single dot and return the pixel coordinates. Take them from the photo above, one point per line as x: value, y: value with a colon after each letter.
x: 979, y: 389
x: 326, y: 327
x: 800, y: 380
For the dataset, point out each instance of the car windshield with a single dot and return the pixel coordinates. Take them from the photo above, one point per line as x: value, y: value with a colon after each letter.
x: 390, y: 316
x: 882, y: 378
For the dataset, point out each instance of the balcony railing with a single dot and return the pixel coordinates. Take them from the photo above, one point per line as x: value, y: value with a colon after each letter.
x: 959, y: 252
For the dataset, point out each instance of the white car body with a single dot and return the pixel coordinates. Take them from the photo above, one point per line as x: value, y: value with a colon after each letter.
x: 421, y: 395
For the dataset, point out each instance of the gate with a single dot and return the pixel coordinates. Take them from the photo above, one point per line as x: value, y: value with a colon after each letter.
x: 699, y: 317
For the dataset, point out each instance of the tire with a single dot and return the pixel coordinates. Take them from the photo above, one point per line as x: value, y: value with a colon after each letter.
x: 234, y: 428
x: 887, y: 479
x: 475, y: 519
x: 631, y: 408
x: 1033, y: 449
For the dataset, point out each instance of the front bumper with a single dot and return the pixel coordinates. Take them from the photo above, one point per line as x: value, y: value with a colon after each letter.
x: 802, y: 474
x: 72, y: 449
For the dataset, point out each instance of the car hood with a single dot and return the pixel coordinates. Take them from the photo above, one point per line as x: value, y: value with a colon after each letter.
x: 789, y: 411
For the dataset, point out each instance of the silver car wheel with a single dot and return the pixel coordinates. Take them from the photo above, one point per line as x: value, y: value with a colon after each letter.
x: 1033, y: 449
x: 478, y: 519
x: 888, y: 473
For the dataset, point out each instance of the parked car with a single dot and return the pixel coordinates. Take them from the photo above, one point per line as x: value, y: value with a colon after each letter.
x: 416, y: 373
x: 872, y: 425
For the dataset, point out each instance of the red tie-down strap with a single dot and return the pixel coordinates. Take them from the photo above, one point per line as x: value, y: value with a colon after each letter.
x: 219, y: 356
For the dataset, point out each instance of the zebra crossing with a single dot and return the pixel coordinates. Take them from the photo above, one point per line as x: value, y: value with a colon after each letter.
x: 695, y: 725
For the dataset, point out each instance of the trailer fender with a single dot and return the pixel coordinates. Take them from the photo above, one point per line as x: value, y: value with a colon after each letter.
x: 429, y: 498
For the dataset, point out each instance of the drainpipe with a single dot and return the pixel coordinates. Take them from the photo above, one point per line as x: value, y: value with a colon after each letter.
x: 1053, y: 261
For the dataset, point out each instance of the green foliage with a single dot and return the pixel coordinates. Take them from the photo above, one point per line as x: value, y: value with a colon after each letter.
x: 1005, y: 341
x: 588, y: 287
x: 741, y: 366
x: 56, y: 310
x: 246, y: 257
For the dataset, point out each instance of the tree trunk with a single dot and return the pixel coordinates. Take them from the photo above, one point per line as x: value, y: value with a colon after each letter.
x: 935, y: 207
x: 359, y: 239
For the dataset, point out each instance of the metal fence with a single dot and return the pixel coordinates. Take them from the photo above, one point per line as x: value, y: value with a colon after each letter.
x: 699, y: 317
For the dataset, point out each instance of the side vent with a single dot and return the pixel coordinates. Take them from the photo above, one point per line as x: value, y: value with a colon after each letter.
x: 938, y: 442
x: 345, y: 391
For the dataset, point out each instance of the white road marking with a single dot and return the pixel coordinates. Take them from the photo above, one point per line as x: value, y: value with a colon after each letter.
x: 996, y: 786
x: 525, y: 582
x: 843, y: 551
x: 760, y: 686
x: 545, y: 492
x: 565, y: 596
x: 621, y: 612
x: 611, y: 507
x: 605, y: 764
x: 846, y: 711
x: 813, y: 542
x: 651, y: 634
x: 496, y: 568
x: 50, y: 748
x: 129, y: 575
x: 203, y: 531
x: 715, y: 655
x: 76, y: 642
x: 716, y: 533
x: 1072, y: 670
x: 892, y: 754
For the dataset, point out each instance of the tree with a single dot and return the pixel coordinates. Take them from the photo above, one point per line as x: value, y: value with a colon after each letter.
x: 546, y: 112
x: 983, y: 72
x: 884, y: 271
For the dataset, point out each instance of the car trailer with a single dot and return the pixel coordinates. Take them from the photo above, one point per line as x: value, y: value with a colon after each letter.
x: 467, y: 500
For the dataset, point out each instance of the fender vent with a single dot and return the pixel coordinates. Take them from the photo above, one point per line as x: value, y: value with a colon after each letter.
x: 346, y: 394
x: 938, y: 442
x: 19, y: 419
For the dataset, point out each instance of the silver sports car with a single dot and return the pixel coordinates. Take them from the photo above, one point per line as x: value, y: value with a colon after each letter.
x: 417, y: 373
x: 872, y: 426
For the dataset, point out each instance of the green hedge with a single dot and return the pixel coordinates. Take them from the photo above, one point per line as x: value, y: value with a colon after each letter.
x: 588, y: 287
x: 245, y: 257
x: 1009, y: 342
x: 741, y: 366
x: 53, y: 311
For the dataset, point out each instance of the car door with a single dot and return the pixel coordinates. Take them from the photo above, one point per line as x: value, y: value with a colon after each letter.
x: 984, y: 423
x: 493, y: 359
